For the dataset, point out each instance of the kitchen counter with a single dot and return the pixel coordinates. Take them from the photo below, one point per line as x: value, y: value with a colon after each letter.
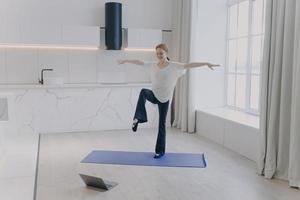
x: 73, y: 85
x: 33, y: 109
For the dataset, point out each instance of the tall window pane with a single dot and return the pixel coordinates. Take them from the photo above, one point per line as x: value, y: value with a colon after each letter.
x: 243, y: 18
x: 231, y: 90
x: 257, y: 24
x: 232, y: 55
x: 256, y: 54
x: 242, y: 47
x: 255, y: 90
x: 241, y: 91
x: 244, y: 56
x: 233, y: 10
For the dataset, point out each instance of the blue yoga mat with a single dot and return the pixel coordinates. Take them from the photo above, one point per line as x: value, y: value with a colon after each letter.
x: 146, y: 159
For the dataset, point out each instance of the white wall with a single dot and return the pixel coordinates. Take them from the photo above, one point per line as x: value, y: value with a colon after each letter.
x: 24, y: 65
x: 211, y: 47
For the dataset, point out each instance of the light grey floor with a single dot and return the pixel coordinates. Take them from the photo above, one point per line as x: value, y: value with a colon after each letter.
x: 228, y: 175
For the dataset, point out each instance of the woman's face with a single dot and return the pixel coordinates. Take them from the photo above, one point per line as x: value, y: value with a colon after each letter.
x: 161, y: 54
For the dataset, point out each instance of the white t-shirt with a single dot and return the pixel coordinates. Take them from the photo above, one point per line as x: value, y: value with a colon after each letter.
x: 164, y: 80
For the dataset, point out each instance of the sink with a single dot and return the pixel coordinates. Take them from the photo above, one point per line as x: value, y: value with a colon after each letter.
x: 53, y: 81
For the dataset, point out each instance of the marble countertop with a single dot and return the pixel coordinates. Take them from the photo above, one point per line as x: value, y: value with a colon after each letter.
x: 72, y: 85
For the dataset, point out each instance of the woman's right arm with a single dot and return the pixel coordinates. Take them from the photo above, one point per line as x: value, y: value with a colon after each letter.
x: 136, y: 62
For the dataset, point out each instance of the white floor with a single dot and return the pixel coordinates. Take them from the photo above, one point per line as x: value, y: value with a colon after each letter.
x: 228, y: 175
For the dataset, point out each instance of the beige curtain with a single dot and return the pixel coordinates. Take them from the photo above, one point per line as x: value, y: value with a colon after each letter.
x: 280, y: 108
x: 183, y: 114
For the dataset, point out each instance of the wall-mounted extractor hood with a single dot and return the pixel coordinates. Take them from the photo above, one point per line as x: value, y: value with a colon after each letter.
x: 113, y: 25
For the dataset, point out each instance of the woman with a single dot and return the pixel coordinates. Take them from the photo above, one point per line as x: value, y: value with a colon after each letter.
x: 164, y: 75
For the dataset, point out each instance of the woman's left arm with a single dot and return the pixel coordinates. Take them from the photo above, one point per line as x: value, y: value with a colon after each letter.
x: 200, y: 64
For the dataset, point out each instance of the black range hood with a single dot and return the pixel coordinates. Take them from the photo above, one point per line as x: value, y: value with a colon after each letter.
x: 113, y: 25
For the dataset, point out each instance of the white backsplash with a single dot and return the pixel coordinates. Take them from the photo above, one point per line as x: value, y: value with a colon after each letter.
x: 23, y: 66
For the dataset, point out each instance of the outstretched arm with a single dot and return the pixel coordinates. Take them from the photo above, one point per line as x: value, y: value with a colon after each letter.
x: 200, y: 64
x: 136, y: 62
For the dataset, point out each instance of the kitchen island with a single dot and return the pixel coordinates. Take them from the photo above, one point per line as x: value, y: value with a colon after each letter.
x: 48, y: 109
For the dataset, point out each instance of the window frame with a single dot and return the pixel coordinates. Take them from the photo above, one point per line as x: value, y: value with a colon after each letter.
x: 250, y: 35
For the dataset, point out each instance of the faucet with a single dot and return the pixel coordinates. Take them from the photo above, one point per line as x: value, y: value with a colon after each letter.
x: 41, y: 81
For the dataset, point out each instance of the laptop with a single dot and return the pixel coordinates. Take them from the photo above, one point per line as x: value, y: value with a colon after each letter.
x: 97, y: 182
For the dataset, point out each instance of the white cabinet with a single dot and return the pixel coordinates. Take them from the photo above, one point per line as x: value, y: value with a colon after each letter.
x: 81, y: 35
x: 10, y: 34
x: 50, y: 35
x: 143, y: 38
x: 112, y: 77
x: 43, y: 34
x: 3, y: 109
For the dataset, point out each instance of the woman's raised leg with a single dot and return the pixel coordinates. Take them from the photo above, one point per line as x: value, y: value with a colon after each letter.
x: 140, y: 115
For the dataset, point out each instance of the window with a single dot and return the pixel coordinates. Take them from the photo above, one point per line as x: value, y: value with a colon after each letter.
x: 244, y: 54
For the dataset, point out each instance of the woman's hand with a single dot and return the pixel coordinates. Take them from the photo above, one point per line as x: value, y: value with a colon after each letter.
x: 211, y: 66
x: 121, y: 62
x: 136, y: 62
